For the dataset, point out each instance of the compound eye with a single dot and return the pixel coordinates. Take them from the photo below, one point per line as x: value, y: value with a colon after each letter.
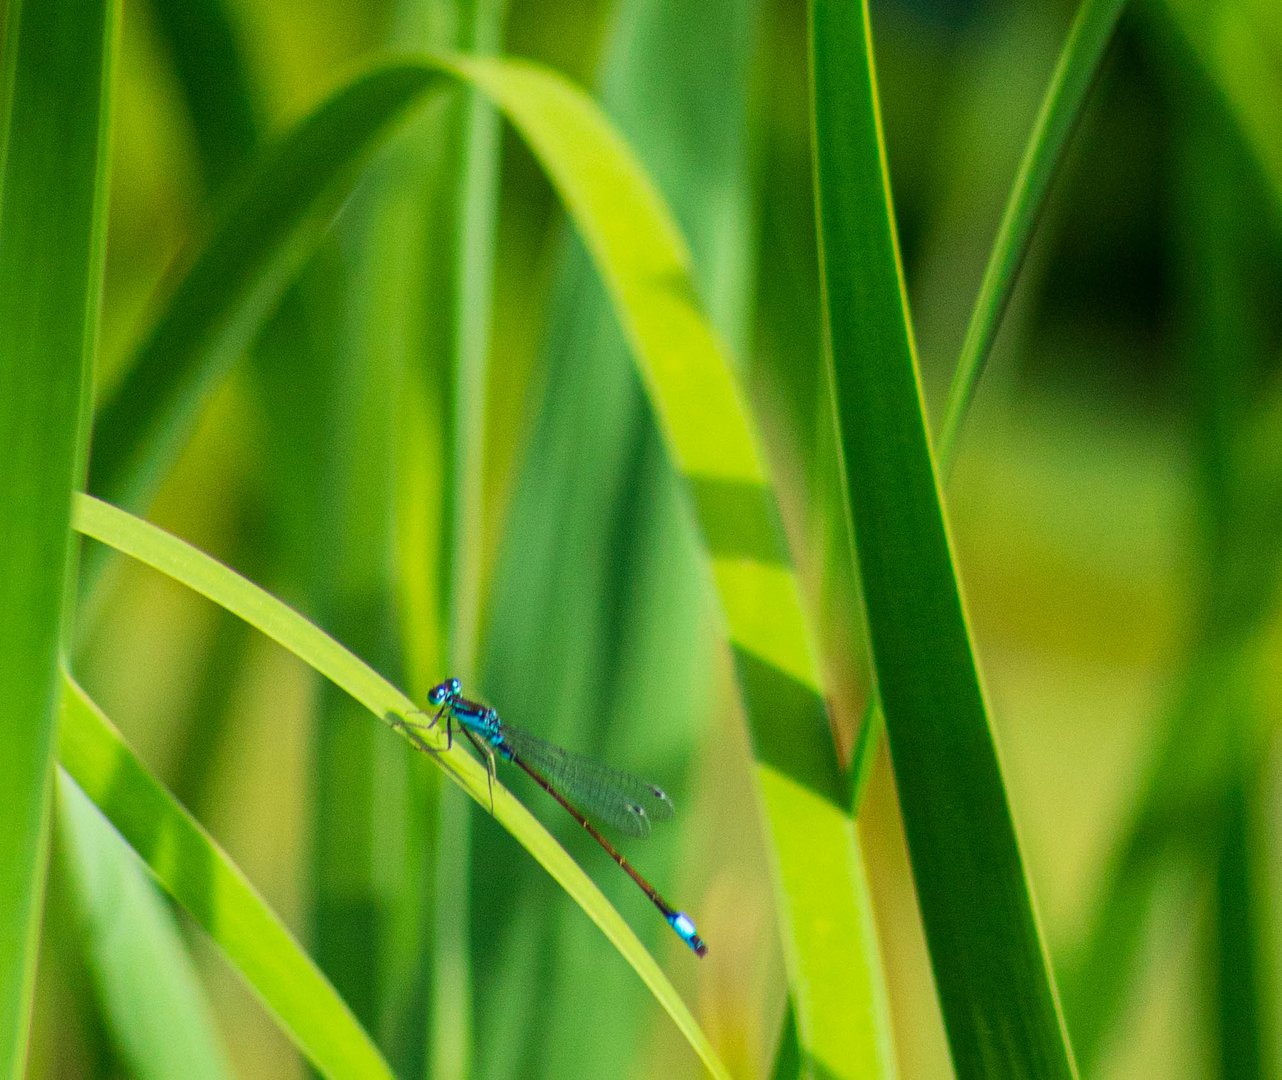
x: 455, y: 686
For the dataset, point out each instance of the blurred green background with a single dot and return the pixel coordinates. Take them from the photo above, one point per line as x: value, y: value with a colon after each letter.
x: 1115, y: 510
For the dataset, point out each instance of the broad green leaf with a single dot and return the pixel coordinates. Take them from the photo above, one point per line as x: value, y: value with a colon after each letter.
x: 171, y: 556
x: 54, y: 108
x: 991, y: 974
x: 191, y: 867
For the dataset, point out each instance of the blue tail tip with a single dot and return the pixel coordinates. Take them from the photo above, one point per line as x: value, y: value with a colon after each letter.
x: 684, y: 926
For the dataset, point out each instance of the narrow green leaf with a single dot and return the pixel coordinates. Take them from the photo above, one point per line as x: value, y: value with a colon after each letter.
x: 456, y: 213
x: 1075, y: 73
x: 1230, y: 43
x: 192, y: 868
x: 990, y: 968
x: 159, y: 1019
x: 197, y: 571
x: 54, y: 108
x: 1240, y: 938
x: 818, y: 873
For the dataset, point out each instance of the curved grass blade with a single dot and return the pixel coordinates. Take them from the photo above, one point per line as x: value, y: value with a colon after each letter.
x: 55, y: 103
x: 223, y: 586
x: 991, y: 973
x: 1074, y: 76
x: 823, y: 906
x: 189, y: 865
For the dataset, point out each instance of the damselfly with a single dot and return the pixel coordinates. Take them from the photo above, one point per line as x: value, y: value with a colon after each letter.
x: 607, y: 794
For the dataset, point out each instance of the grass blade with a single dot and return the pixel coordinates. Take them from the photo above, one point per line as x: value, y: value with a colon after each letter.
x: 197, y: 571
x: 54, y: 109
x: 991, y: 973
x: 1075, y: 74
x: 186, y: 861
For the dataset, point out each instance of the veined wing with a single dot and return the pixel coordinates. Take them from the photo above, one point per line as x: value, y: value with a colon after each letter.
x: 611, y: 796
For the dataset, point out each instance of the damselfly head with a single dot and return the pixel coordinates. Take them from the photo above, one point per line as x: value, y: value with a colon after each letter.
x: 444, y: 692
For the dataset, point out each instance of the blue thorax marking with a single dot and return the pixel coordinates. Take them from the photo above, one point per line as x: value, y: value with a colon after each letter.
x: 481, y: 721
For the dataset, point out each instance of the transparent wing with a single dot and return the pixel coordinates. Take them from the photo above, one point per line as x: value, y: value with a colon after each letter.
x: 615, y: 798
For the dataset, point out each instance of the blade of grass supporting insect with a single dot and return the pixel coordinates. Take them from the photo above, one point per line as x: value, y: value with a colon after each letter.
x: 991, y: 973
x: 173, y: 557
x: 55, y: 101
x: 1079, y: 64
x: 824, y: 917
x: 194, y: 870
x: 160, y: 1022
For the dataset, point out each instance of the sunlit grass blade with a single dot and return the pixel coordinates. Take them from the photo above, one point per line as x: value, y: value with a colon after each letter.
x: 824, y: 921
x: 159, y: 1021
x: 173, y: 557
x: 55, y: 101
x: 991, y: 974
x: 1075, y: 73
x: 188, y: 864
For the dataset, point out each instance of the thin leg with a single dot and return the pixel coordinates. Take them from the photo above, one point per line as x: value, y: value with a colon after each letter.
x: 488, y: 752
x: 403, y: 723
